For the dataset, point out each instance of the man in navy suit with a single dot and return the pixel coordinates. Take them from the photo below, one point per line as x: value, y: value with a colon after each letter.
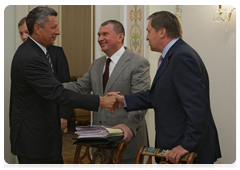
x: 179, y: 95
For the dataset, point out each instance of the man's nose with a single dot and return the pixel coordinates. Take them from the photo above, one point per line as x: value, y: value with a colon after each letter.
x: 147, y: 38
x: 25, y: 36
x: 100, y: 38
x: 57, y: 31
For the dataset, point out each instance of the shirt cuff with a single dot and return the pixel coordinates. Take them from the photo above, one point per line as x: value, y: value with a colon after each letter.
x: 125, y: 104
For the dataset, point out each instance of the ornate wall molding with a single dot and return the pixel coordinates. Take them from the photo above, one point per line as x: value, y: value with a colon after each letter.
x: 135, y: 28
x: 178, y: 11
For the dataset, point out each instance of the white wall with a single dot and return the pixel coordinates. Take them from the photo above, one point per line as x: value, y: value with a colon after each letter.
x: 102, y: 14
x: 10, y: 26
x: 217, y: 48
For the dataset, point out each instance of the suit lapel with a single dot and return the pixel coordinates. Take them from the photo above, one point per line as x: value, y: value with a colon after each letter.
x: 160, y: 70
x: 120, y: 66
x: 36, y: 47
x: 166, y: 61
x: 40, y: 52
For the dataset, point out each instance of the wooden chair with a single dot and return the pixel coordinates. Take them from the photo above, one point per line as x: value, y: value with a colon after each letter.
x: 81, y: 117
x: 99, y: 156
x: 161, y: 153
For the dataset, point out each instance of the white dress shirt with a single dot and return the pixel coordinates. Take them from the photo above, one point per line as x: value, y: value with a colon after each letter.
x: 42, y: 47
x: 114, y: 59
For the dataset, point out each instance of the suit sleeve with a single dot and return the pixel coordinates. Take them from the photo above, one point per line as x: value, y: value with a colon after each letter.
x: 138, y: 101
x: 82, y: 85
x: 193, y: 95
x: 40, y: 77
x: 140, y: 82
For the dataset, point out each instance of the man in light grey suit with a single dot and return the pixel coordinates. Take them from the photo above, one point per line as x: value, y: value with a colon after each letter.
x: 128, y: 73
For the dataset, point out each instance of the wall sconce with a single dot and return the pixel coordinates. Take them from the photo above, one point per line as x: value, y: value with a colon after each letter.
x: 220, y: 15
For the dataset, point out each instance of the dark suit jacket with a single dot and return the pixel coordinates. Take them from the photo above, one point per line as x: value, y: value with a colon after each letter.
x: 180, y: 98
x: 35, y: 130
x: 61, y: 70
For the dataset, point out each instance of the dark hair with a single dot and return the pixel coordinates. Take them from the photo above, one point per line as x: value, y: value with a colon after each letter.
x: 39, y: 15
x: 167, y: 20
x: 117, y: 27
x: 21, y: 22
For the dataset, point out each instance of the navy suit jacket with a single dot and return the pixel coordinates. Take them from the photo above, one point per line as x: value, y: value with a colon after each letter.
x: 61, y: 70
x: 180, y: 98
x: 35, y: 130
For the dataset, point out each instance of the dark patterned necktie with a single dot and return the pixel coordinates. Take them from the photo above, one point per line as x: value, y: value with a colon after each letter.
x: 106, y: 74
x: 160, y: 61
x: 49, y: 60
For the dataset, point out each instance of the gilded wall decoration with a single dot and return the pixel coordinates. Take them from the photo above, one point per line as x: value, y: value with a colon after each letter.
x: 135, y: 28
x: 178, y: 12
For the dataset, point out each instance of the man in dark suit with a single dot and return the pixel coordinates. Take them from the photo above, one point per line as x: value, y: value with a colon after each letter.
x: 179, y: 95
x: 35, y: 131
x: 61, y: 69
x: 60, y: 66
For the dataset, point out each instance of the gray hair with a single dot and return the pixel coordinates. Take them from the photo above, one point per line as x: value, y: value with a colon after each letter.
x: 39, y: 15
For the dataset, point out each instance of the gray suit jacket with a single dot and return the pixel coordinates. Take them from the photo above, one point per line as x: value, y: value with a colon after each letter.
x: 130, y: 75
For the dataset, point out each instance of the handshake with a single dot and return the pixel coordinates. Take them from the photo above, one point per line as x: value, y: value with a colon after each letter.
x: 112, y: 101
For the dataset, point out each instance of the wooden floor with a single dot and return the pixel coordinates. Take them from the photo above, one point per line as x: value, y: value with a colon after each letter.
x: 68, y: 149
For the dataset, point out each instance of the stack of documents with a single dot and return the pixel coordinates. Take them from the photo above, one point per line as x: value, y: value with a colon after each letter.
x: 97, y: 131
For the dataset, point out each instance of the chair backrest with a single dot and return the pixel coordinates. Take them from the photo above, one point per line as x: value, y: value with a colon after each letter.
x: 161, y: 153
x: 98, y: 157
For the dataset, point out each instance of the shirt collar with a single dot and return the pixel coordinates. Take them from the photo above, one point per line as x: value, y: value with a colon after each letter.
x: 42, y: 47
x: 115, y: 57
x: 168, y: 46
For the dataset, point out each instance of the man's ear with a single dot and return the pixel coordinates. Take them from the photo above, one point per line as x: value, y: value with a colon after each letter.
x: 37, y: 28
x: 162, y: 32
x: 120, y: 37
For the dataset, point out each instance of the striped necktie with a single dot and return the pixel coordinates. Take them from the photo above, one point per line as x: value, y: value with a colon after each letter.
x: 49, y: 60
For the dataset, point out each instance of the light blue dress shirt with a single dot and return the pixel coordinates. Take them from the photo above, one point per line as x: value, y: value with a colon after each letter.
x: 168, y: 46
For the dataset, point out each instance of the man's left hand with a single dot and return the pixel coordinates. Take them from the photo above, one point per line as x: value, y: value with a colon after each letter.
x: 63, y: 123
x: 127, y: 132
x: 175, y: 154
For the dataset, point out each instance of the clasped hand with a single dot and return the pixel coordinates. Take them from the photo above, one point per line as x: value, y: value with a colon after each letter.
x: 112, y: 101
x: 175, y: 154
